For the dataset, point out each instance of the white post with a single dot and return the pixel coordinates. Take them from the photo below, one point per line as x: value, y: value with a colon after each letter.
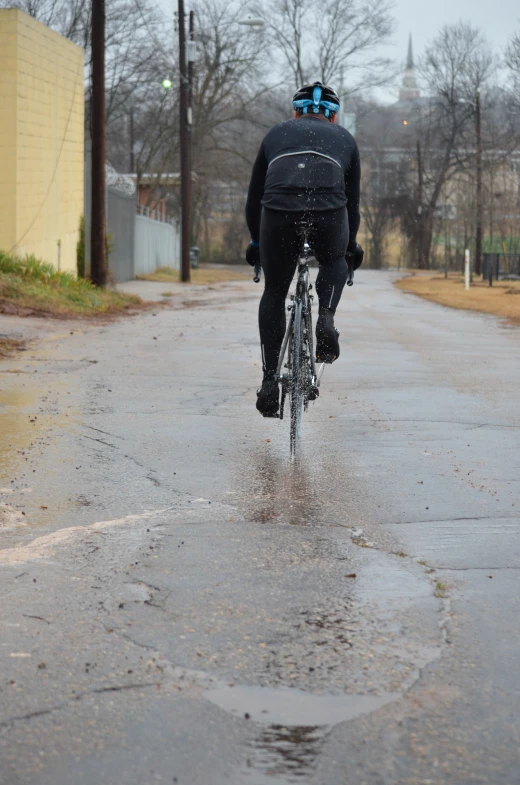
x: 466, y: 268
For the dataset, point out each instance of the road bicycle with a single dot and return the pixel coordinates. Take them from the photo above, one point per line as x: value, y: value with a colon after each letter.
x: 297, y: 372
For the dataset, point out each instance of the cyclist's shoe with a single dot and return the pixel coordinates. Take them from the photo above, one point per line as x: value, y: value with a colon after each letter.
x: 327, y: 343
x: 268, y: 396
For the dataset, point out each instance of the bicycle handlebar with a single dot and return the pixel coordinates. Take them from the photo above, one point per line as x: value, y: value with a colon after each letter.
x: 350, y: 274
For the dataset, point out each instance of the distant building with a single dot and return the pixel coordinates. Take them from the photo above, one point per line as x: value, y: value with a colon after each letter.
x: 409, y: 89
x: 153, y: 189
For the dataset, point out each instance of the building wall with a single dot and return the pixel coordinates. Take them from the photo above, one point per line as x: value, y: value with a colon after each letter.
x: 41, y: 140
x: 8, y: 39
x: 155, y: 203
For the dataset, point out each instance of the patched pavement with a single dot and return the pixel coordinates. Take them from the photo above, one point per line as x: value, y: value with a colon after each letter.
x: 183, y: 604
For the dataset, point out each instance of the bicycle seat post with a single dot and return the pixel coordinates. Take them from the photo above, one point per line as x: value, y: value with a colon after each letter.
x: 304, y: 229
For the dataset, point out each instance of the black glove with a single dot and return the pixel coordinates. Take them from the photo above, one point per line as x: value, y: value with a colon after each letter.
x: 355, y: 255
x: 253, y: 254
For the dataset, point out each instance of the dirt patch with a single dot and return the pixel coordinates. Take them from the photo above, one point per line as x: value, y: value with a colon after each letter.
x: 496, y: 299
x: 201, y: 275
x: 10, y: 346
x: 13, y: 308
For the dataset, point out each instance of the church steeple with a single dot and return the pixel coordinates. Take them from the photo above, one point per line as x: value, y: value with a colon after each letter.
x: 409, y: 88
x: 409, y: 59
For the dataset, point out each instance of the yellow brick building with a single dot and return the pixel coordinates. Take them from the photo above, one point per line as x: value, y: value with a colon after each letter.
x: 41, y: 140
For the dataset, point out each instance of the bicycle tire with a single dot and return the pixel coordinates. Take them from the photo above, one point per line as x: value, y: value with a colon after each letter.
x: 310, y: 339
x: 296, y: 388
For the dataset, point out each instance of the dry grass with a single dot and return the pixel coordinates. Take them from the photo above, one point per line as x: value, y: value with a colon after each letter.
x: 501, y: 299
x: 201, y: 275
x: 31, y: 287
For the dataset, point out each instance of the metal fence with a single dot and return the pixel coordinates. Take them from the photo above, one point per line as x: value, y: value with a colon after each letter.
x: 502, y: 265
x: 121, y: 235
x: 157, y: 244
x: 155, y: 215
x: 140, y: 240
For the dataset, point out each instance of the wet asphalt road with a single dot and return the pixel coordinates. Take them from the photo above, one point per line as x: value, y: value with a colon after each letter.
x: 181, y: 604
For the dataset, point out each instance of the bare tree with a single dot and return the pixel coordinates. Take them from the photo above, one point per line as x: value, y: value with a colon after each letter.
x: 229, y: 72
x: 229, y: 86
x: 134, y: 34
x: 320, y: 40
x: 455, y: 67
x: 512, y: 62
x: 384, y: 170
x: 228, y: 89
x: 513, y: 55
x: 378, y: 215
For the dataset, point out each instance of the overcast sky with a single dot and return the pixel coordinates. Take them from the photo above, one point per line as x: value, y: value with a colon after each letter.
x: 423, y: 18
x: 496, y: 18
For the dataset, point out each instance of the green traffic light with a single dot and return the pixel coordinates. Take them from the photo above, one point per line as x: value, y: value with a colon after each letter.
x: 166, y: 83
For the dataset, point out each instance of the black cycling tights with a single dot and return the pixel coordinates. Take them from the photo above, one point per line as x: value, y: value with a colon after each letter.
x: 280, y: 247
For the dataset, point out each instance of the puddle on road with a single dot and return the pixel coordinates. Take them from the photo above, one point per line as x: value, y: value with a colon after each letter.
x: 283, y: 755
x: 276, y: 490
x: 18, y: 429
x: 297, y: 723
x: 288, y: 706
x: 26, y: 415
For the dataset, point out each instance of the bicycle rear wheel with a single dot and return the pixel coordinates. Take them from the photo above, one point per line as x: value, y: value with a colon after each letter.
x: 296, y: 376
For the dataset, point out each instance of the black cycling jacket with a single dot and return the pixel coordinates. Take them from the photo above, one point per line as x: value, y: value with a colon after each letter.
x: 308, y: 165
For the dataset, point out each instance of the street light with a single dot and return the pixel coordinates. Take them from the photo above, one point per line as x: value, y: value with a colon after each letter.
x: 252, y: 21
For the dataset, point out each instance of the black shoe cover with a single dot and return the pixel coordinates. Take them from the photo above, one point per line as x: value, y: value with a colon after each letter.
x: 327, y: 343
x: 268, y: 397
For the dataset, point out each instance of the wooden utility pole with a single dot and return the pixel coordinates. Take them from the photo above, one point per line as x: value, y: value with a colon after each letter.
x: 478, y: 228
x: 98, y: 268
x: 132, y: 142
x: 191, y: 58
x: 185, y: 149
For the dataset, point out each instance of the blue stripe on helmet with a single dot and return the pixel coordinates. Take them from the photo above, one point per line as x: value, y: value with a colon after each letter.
x: 329, y: 105
x: 305, y: 103
x: 316, y: 95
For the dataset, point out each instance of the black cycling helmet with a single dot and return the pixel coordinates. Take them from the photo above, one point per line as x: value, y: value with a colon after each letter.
x: 315, y: 99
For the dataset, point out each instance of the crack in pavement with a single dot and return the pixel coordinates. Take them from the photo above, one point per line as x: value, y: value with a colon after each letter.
x: 99, y: 430
x: 473, y: 569
x: 97, y: 691
x: 452, y: 520
x: 112, y: 446
x: 39, y: 618
x: 94, y: 439
x: 473, y: 425
x: 127, y: 638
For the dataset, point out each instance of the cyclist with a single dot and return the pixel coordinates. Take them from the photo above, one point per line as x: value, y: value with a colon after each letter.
x: 307, y: 169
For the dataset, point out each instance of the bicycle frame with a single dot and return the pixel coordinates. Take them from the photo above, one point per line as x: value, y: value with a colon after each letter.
x: 301, y: 380
x: 303, y: 289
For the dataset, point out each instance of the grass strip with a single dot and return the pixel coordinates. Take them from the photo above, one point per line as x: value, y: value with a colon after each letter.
x: 501, y: 299
x: 200, y: 275
x: 31, y: 286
